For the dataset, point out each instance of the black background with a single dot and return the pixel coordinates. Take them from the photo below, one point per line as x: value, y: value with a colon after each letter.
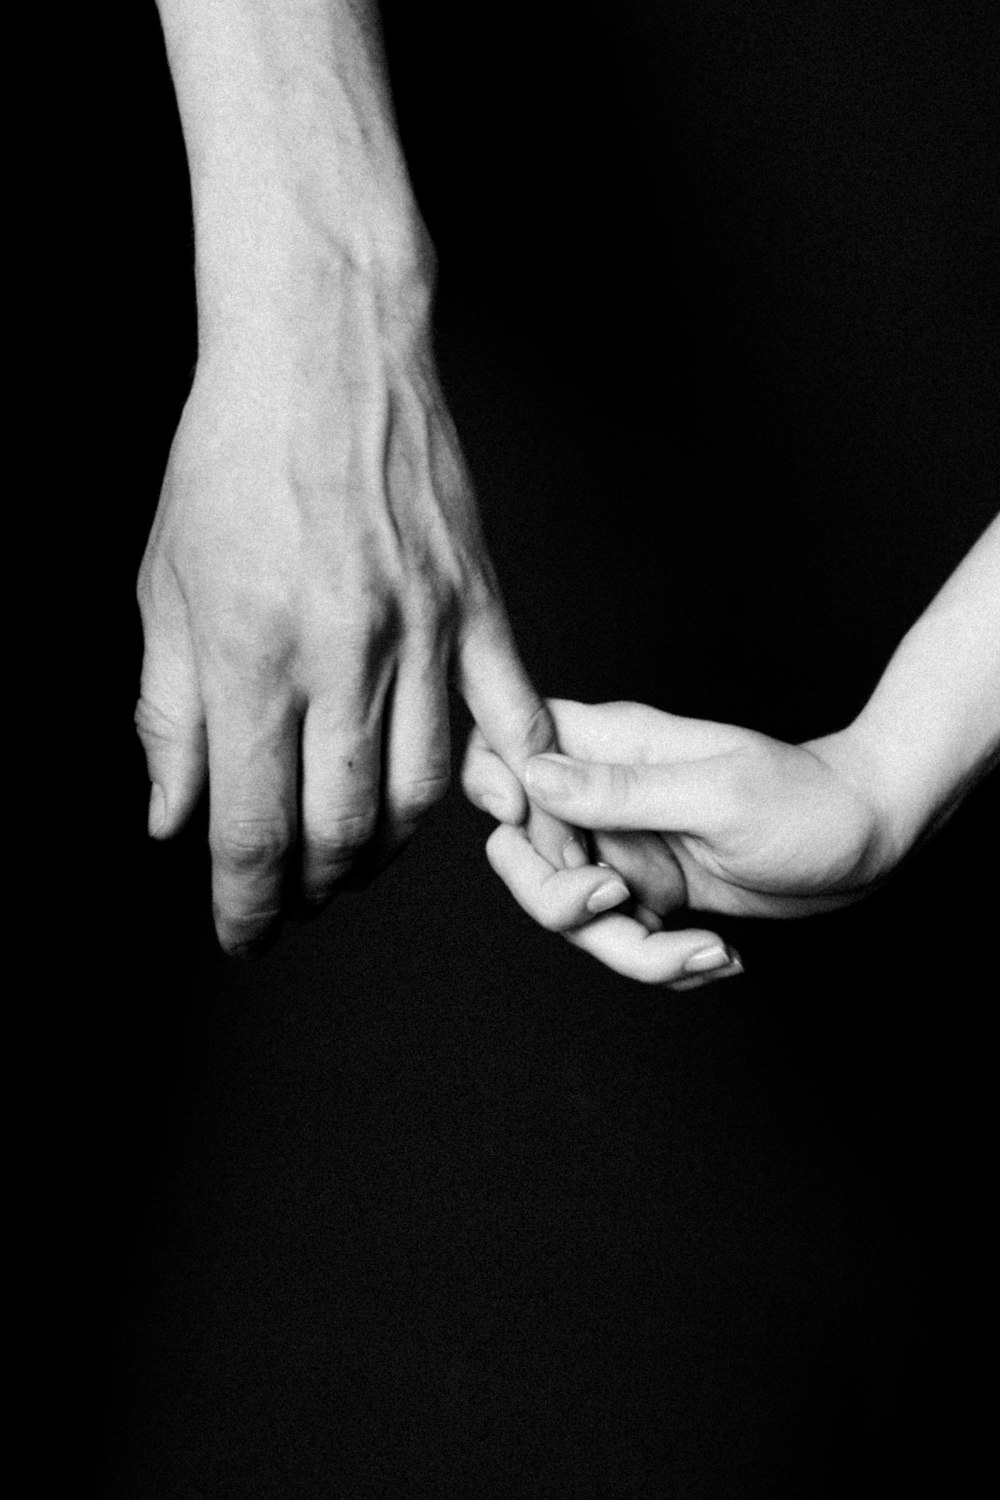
x: 426, y: 1202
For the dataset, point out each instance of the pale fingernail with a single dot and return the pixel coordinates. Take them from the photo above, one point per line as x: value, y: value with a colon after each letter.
x: 699, y: 981
x: 716, y: 957
x: 575, y: 855
x: 611, y: 893
x: 157, y: 810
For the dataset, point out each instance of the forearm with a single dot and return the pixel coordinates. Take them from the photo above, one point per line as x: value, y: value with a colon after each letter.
x: 932, y: 727
x: 297, y: 175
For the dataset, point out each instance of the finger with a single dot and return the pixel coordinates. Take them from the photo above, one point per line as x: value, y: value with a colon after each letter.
x: 621, y: 942
x: 682, y: 960
x: 170, y: 722
x: 491, y: 785
x: 253, y: 771
x: 646, y: 863
x: 515, y: 721
x: 635, y: 732
x: 418, y: 754
x: 554, y: 898
x: 341, y: 788
x: 649, y: 870
x: 417, y: 757
x: 689, y: 797
x: 649, y: 919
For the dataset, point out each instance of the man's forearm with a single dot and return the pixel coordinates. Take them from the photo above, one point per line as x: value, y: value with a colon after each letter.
x: 296, y: 168
x: 932, y: 726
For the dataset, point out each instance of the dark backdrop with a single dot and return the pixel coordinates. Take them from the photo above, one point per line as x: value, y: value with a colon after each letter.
x: 426, y: 1203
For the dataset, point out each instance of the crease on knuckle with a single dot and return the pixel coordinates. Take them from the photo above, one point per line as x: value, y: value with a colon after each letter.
x: 154, y: 724
x: 417, y: 797
x: 251, y: 845
x: 538, y: 735
x: 623, y: 784
x: 341, y: 835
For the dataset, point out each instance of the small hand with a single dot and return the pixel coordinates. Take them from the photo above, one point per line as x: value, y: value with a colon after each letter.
x: 691, y: 813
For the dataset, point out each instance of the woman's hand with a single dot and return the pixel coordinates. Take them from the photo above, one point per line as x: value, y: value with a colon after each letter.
x: 692, y: 814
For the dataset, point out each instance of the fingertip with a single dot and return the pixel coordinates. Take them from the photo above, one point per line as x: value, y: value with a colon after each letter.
x: 505, y: 809
x: 156, y: 820
x: 246, y: 939
x: 248, y: 952
x: 500, y: 838
x: 607, y: 895
x: 168, y: 813
x: 707, y: 964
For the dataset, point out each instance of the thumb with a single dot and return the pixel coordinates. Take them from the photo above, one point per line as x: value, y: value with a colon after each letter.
x: 171, y: 725
x: 682, y: 798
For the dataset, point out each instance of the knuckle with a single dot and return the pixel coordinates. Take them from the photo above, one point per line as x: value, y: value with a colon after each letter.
x: 432, y: 607
x: 381, y: 623
x: 340, y: 835
x: 250, y: 846
x: 549, y: 916
x: 153, y: 725
x: 419, y: 796
x: 623, y: 783
x: 259, y: 653
x: 538, y: 734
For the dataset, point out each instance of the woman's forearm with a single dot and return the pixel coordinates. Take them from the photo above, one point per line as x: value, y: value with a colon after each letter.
x: 932, y: 727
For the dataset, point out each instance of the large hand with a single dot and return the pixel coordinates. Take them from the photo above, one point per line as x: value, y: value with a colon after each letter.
x: 692, y: 814
x: 314, y: 571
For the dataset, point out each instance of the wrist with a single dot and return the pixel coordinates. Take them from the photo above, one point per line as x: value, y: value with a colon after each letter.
x: 856, y: 755
x: 909, y: 793
x: 268, y: 259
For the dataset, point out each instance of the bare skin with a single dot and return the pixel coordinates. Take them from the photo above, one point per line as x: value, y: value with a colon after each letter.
x: 316, y: 574
x: 716, y: 818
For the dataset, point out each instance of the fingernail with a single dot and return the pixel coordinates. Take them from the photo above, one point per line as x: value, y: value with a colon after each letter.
x: 611, y: 893
x: 157, y: 810
x: 714, y: 957
x: 699, y: 981
x: 708, y: 965
x: 574, y: 855
x: 550, y: 773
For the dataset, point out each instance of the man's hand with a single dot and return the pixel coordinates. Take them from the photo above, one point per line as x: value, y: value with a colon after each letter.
x: 315, y: 572
x: 691, y: 813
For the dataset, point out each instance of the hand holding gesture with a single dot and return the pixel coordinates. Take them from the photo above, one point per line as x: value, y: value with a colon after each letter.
x: 692, y: 814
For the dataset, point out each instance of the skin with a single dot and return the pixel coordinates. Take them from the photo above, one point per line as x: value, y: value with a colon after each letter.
x: 316, y: 575
x: 721, y: 819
